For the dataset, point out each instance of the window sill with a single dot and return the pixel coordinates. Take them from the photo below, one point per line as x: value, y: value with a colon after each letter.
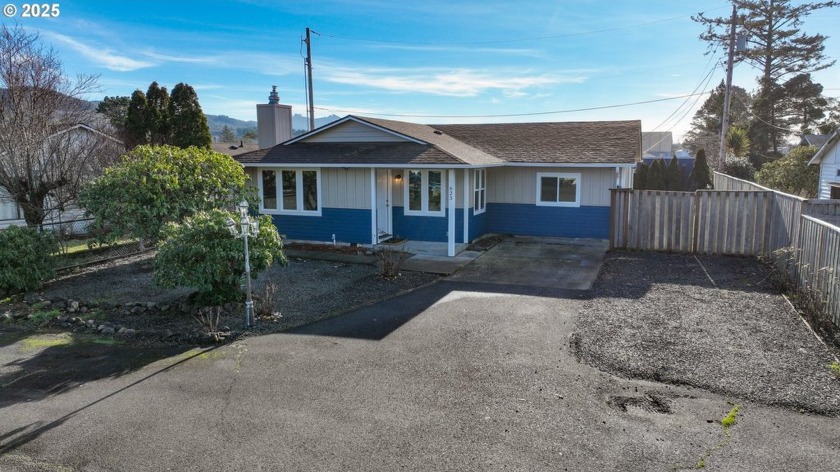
x: 560, y: 204
x: 439, y: 214
x: 289, y: 212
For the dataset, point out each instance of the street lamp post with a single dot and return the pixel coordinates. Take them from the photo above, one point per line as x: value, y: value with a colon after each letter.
x: 247, y: 228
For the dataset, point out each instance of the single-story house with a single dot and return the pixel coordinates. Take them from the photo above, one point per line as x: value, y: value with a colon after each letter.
x: 828, y: 158
x: 366, y: 180
x: 81, y: 136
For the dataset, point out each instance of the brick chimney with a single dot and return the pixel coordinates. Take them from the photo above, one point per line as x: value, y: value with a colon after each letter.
x: 274, y: 121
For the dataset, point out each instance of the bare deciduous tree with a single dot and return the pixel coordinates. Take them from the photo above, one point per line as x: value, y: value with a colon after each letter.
x: 48, y: 143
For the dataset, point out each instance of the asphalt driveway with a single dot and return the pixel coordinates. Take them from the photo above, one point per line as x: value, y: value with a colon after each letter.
x: 454, y: 376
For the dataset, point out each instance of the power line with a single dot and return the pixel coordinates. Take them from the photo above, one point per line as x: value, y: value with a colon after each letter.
x: 503, y: 41
x: 573, y: 110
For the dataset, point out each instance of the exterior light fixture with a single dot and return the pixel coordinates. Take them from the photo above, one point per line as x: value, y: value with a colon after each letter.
x: 398, y: 177
x: 247, y: 228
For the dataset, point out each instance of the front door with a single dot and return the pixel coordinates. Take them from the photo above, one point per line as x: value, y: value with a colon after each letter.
x: 383, y: 204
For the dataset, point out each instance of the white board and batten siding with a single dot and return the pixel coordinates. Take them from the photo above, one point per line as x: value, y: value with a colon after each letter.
x: 829, y: 169
x: 345, y: 188
x: 519, y: 184
x: 353, y: 132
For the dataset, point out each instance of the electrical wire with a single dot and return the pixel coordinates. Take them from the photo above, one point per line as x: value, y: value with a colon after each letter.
x: 503, y: 41
x: 505, y: 115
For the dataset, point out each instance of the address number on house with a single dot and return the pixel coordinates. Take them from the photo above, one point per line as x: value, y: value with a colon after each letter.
x: 33, y: 10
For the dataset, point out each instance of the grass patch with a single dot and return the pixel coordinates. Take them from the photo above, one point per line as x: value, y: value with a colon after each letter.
x: 39, y: 316
x: 730, y: 419
x: 726, y: 423
x: 835, y: 368
x: 64, y: 340
x: 44, y: 341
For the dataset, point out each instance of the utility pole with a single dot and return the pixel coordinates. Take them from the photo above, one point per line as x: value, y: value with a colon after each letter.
x: 727, y: 96
x: 309, y: 79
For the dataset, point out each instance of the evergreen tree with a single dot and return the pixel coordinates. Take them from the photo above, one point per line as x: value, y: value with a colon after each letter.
x: 673, y: 175
x: 805, y: 103
x: 778, y: 48
x: 228, y: 136
x: 656, y: 176
x: 701, y: 176
x: 157, y: 114
x: 136, y: 123
x: 640, y: 179
x: 188, y: 123
x: 116, y: 110
x: 705, y: 126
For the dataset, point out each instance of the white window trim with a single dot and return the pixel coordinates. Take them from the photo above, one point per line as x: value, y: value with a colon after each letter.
x: 482, y: 188
x: 424, y: 193
x: 278, y: 172
x: 559, y: 175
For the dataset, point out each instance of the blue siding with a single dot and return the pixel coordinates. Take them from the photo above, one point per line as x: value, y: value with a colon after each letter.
x: 533, y: 220
x: 348, y: 225
x: 478, y: 224
x: 421, y: 228
x: 427, y: 228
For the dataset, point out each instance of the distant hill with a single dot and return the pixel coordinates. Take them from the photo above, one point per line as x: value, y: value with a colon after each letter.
x: 299, y: 124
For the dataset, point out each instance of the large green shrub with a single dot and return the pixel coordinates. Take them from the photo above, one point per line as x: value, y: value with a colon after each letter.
x: 739, y: 167
x: 154, y: 185
x: 25, y: 258
x: 201, y: 253
x: 792, y: 174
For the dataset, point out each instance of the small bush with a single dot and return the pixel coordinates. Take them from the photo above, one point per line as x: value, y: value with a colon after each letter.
x: 25, y: 258
x: 202, y: 254
x: 266, y: 300
x: 391, y: 259
x: 739, y: 168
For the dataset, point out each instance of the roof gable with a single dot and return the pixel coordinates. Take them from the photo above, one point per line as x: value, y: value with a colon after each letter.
x: 823, y: 151
x: 351, y: 129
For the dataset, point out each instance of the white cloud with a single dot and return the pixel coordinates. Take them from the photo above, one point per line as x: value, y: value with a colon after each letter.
x: 104, y: 57
x: 454, y: 83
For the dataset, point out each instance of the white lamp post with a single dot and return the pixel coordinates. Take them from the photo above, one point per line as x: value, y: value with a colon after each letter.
x: 247, y: 228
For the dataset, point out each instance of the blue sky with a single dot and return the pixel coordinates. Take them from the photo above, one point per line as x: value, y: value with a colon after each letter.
x: 435, y: 60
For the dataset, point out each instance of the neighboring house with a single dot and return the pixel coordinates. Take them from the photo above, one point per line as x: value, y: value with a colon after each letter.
x: 828, y: 158
x: 10, y: 212
x: 816, y: 140
x: 660, y: 145
x: 366, y: 180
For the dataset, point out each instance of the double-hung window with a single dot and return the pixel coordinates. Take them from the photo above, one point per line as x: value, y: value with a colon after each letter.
x: 480, y: 191
x: 424, y: 193
x: 291, y: 191
x: 558, y: 189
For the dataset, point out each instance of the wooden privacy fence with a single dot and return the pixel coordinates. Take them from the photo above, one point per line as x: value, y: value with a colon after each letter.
x: 704, y: 222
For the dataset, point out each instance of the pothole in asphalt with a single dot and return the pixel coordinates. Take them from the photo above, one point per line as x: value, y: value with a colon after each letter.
x: 650, y: 402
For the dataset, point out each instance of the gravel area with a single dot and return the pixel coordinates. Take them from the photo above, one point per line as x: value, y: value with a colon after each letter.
x: 308, y: 290
x: 660, y: 317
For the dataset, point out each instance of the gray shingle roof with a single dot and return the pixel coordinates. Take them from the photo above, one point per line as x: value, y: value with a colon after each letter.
x: 303, y: 153
x: 567, y: 143
x: 600, y: 142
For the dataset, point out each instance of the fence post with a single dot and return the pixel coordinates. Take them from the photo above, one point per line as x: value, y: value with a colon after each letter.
x: 695, y: 231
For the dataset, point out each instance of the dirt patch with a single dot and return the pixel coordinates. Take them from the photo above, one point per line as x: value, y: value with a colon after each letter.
x: 713, y: 322
x: 120, y: 293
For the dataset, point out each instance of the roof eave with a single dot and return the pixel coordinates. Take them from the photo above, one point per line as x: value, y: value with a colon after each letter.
x: 818, y: 157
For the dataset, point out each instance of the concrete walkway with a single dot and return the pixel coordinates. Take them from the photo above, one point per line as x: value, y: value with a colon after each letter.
x: 559, y: 263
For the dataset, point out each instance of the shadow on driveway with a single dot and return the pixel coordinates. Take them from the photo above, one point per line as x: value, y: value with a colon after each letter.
x: 375, y: 322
